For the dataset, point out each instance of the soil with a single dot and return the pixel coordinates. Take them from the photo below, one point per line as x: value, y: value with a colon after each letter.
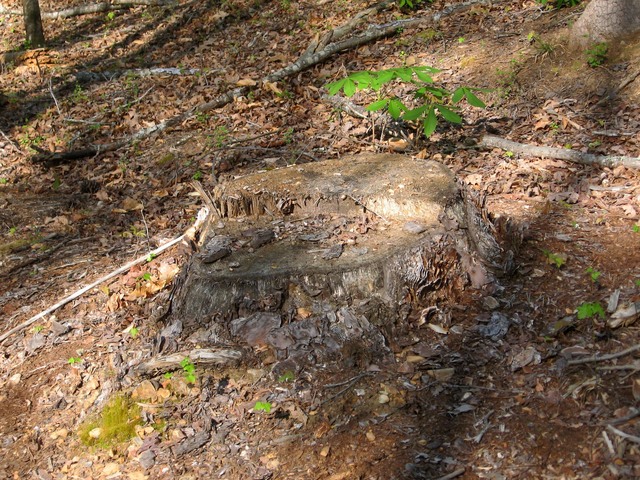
x: 492, y: 385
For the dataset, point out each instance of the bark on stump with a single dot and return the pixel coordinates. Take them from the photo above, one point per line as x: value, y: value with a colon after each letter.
x: 323, y: 260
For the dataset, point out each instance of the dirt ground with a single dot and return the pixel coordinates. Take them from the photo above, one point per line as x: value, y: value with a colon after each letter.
x: 555, y: 395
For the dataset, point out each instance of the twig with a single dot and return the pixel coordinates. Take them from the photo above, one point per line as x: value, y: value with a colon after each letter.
x: 352, y: 379
x: 602, y: 358
x: 454, y: 474
x: 574, y: 156
x: 11, y: 142
x: 55, y: 100
x: 622, y: 434
x: 201, y: 217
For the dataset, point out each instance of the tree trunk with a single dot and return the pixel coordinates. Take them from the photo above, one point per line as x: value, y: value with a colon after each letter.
x: 323, y: 261
x: 606, y: 21
x: 33, y: 24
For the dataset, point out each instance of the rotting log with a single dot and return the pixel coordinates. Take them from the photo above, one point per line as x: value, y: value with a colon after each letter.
x: 321, y: 260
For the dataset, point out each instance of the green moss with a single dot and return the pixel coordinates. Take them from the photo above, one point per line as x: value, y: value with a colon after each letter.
x: 117, y: 423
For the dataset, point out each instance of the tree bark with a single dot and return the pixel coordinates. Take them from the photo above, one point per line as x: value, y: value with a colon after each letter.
x: 33, y: 24
x: 606, y: 21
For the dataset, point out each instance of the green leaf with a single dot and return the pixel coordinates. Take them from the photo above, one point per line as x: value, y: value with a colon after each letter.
x: 458, y: 95
x: 473, y: 100
x: 405, y: 74
x: 262, y: 407
x: 385, y: 76
x: 334, y: 87
x: 588, y: 310
x: 449, y: 115
x: 396, y: 107
x: 415, y: 113
x: 349, y: 87
x: 379, y: 105
x: 423, y: 77
x: 430, y: 122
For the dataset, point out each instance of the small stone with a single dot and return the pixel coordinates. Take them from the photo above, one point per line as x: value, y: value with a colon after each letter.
x: 110, y: 468
x: 371, y: 436
x: 60, y: 433
x: 325, y: 451
x: 490, y: 303
x: 414, y: 227
x: 95, y: 433
x: 15, y: 379
x: 147, y: 459
x: 383, y: 398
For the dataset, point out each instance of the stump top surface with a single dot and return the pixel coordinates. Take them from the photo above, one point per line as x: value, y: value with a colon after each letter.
x: 369, y: 204
x: 393, y: 186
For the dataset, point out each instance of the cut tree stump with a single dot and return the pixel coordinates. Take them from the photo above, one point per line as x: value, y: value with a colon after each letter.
x: 322, y: 260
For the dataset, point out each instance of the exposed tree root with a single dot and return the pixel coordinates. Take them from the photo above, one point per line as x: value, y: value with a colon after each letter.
x: 574, y: 156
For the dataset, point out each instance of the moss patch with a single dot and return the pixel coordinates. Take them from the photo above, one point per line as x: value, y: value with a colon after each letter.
x: 117, y: 424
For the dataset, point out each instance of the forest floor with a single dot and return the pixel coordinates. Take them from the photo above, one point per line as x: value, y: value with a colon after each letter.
x: 453, y: 403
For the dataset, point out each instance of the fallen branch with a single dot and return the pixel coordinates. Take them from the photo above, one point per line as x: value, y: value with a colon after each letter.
x: 202, y: 215
x: 91, y: 8
x: 603, y: 358
x: 136, y: 72
x: 199, y: 356
x: 574, y: 156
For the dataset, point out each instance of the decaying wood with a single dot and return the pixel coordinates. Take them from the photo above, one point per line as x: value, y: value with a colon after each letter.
x: 574, y: 156
x: 199, y: 356
x: 124, y: 268
x: 344, y: 249
x: 91, y: 8
x: 311, y: 57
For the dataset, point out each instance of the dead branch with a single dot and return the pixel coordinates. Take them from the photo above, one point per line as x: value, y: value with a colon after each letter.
x: 199, y: 356
x: 202, y: 215
x: 91, y: 8
x: 86, y: 76
x: 603, y: 358
x: 574, y: 156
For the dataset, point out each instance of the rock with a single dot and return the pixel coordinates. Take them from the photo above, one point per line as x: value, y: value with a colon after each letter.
x: 147, y: 459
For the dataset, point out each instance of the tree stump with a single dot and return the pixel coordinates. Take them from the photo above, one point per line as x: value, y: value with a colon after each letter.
x: 322, y: 260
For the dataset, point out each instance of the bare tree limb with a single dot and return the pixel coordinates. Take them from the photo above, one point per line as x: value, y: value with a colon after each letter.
x: 574, y: 156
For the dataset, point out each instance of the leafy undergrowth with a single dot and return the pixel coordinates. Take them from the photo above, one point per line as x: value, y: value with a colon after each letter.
x: 458, y: 397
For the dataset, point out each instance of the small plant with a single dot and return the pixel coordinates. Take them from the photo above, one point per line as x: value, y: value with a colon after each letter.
x: 262, y: 407
x: 637, y: 282
x: 509, y: 154
x: 594, y: 274
x: 79, y: 95
x: 556, y: 259
x: 636, y: 228
x: 543, y: 46
x: 4, y: 181
x: 597, y: 54
x: 433, y: 101
x: 150, y: 257
x: 110, y: 16
x: 38, y: 328
x: 12, y: 231
x: 189, y: 370
x: 74, y: 360
x: 134, y: 332
x: 589, y: 310
x: 116, y: 424
x: 202, y: 117
x: 595, y: 144
x: 288, y: 135
x: 287, y: 376
x: 168, y: 375
x: 198, y: 175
